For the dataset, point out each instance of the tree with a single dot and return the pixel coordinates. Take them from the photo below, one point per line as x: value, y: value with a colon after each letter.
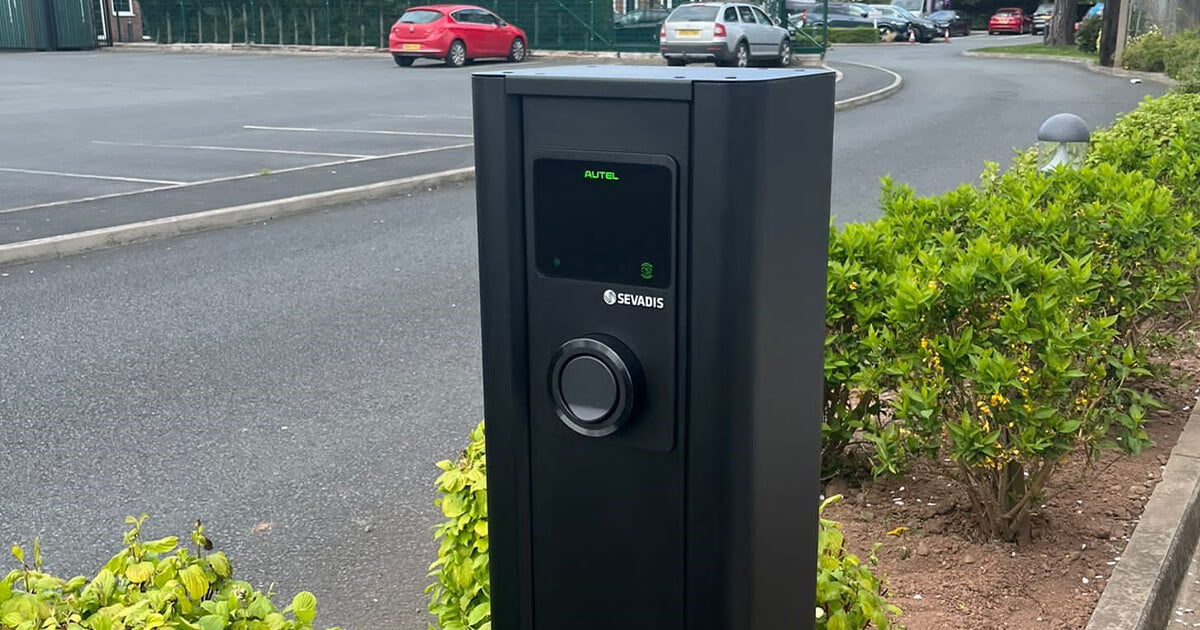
x: 1108, y: 33
x: 1061, y: 29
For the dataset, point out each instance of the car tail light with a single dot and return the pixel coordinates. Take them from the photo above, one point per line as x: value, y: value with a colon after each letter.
x: 662, y: 32
x: 719, y: 30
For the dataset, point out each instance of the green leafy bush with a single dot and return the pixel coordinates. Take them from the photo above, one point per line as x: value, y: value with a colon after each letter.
x: 149, y: 585
x: 1087, y: 38
x: 1122, y: 226
x: 1178, y: 56
x: 461, y: 596
x: 1012, y: 318
x: 1161, y: 139
x: 849, y: 595
x: 854, y: 35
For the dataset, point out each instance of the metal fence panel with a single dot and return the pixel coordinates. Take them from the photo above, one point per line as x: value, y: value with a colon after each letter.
x: 73, y: 26
x: 23, y: 25
x: 589, y: 25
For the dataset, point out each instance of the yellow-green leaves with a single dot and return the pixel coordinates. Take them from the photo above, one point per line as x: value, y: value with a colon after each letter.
x: 220, y: 564
x: 304, y: 606
x: 140, y: 572
x: 145, y: 587
x: 194, y: 581
x: 459, y: 598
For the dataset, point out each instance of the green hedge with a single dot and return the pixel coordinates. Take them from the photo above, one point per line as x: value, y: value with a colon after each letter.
x: 857, y: 35
x: 997, y: 327
x: 149, y: 584
x: 1177, y: 56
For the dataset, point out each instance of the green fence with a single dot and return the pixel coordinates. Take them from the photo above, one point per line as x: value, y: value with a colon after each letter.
x: 596, y: 25
x: 46, y: 25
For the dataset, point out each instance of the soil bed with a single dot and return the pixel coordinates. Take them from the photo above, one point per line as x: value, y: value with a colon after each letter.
x: 944, y: 575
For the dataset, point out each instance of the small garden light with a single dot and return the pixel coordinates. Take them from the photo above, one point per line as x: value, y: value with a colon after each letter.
x: 1071, y: 134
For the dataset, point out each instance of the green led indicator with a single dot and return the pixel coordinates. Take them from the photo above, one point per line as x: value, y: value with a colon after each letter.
x: 608, y: 175
x: 557, y: 262
x: 647, y: 271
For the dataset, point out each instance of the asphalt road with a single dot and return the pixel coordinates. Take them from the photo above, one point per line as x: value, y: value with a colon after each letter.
x: 293, y: 383
x: 955, y: 113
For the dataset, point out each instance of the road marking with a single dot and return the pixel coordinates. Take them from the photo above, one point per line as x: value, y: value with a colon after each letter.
x: 422, y: 116
x: 65, y: 202
x: 204, y: 147
x: 134, y: 180
x: 362, y: 131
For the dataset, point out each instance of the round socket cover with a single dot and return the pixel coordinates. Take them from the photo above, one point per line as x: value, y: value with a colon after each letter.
x: 593, y: 382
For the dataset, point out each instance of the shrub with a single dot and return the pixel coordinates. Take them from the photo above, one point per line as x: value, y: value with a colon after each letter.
x: 149, y: 584
x: 461, y: 596
x: 1178, y: 56
x: 849, y: 595
x: 1012, y: 324
x: 857, y: 283
x: 1161, y: 139
x: 1123, y: 227
x: 1087, y: 38
x: 855, y: 35
x: 1000, y: 365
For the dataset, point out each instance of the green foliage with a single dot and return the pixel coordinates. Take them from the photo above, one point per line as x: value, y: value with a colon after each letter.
x: 1087, y: 38
x: 855, y: 35
x: 1178, y: 56
x: 148, y: 585
x: 461, y: 596
x: 997, y: 327
x: 849, y: 595
x: 1161, y: 139
x: 857, y: 284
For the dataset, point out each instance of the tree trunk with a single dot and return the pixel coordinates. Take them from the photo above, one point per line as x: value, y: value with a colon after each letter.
x: 1061, y: 30
x: 1108, y: 33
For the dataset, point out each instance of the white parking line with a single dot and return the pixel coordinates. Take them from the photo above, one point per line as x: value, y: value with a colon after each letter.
x: 51, y: 204
x: 204, y: 147
x: 363, y: 131
x: 422, y: 116
x: 134, y: 180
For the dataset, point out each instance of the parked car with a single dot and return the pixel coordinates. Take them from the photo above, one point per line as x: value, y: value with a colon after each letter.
x: 456, y: 34
x: 1010, y: 20
x: 640, y: 18
x: 953, y: 21
x: 1097, y: 11
x: 1041, y: 18
x: 640, y: 25
x: 923, y: 29
x: 727, y: 33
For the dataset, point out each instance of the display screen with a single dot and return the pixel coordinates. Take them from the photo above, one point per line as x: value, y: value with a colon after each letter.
x: 603, y: 221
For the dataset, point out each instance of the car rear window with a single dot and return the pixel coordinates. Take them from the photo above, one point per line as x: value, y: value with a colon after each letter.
x: 694, y: 14
x: 1006, y: 13
x: 419, y: 16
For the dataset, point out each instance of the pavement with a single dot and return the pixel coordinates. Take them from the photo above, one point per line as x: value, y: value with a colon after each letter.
x: 292, y: 382
x: 220, y: 130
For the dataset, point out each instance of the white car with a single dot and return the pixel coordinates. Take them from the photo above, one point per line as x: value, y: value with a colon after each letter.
x: 728, y: 33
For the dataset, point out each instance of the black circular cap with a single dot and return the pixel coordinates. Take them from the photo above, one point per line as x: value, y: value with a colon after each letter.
x: 594, y: 382
x: 588, y: 388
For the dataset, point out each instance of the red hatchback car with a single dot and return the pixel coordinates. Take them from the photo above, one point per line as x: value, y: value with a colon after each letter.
x: 1010, y: 20
x: 455, y: 33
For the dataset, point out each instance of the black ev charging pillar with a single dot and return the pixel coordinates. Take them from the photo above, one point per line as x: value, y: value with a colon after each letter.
x: 652, y: 247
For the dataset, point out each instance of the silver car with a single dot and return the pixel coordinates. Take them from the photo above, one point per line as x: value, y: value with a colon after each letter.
x: 728, y: 33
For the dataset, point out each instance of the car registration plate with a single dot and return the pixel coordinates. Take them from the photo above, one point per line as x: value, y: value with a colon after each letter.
x: 412, y: 47
x: 688, y: 33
